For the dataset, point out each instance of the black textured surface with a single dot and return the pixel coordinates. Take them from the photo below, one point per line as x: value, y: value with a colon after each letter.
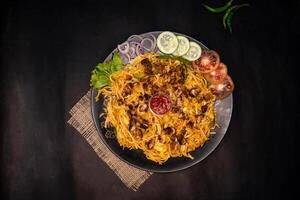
x: 48, y: 51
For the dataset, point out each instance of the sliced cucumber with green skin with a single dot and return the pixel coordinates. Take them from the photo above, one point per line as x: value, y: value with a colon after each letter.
x: 167, y: 42
x: 194, y: 52
x: 183, y: 46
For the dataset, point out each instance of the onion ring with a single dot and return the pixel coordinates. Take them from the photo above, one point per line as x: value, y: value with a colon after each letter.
x: 135, y: 38
x: 148, y: 47
x: 126, y: 58
x: 154, y: 42
x: 123, y: 48
x: 132, y: 52
x: 139, y: 50
x: 134, y: 43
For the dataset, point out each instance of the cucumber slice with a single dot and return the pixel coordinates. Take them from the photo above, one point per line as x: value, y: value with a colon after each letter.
x: 194, y: 52
x: 183, y: 46
x: 167, y: 42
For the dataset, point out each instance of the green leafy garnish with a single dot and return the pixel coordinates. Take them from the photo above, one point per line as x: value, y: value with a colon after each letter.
x: 101, y: 73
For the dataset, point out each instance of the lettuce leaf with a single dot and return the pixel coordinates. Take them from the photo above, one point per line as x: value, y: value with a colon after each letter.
x: 100, y: 75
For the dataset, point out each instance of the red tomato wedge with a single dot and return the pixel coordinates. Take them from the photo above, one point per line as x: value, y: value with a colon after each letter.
x: 218, y: 75
x: 224, y: 89
x: 208, y: 61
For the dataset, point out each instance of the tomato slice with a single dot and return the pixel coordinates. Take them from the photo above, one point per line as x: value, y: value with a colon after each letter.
x: 224, y: 89
x: 218, y: 75
x: 208, y: 61
x: 160, y: 104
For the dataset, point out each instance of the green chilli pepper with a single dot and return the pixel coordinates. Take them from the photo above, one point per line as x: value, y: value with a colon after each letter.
x: 228, y: 15
x: 228, y: 21
x: 219, y: 9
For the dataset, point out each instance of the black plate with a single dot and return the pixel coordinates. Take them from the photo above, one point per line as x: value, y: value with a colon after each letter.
x: 137, y: 157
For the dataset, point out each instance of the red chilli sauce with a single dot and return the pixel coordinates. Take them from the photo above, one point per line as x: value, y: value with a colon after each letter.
x: 160, y: 104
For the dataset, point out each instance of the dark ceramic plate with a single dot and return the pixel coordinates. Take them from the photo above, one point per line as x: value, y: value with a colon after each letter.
x: 138, y: 159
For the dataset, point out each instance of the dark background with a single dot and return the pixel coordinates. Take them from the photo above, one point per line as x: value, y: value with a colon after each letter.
x: 49, y: 49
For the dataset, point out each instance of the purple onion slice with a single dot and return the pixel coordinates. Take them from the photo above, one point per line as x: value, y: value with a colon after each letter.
x: 139, y: 50
x: 135, y: 38
x: 123, y: 48
x: 132, y: 52
x: 133, y: 43
x: 147, y: 44
x: 126, y: 58
x: 154, y: 42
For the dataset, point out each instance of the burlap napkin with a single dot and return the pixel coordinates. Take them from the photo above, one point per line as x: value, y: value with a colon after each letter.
x: 81, y: 120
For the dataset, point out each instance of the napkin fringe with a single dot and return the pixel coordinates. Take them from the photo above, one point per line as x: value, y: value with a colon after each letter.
x: 81, y: 120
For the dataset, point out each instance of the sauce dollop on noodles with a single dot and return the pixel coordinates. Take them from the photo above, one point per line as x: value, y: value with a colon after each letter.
x: 160, y: 104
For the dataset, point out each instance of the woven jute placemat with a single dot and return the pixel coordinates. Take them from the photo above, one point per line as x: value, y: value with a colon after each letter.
x: 81, y: 120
